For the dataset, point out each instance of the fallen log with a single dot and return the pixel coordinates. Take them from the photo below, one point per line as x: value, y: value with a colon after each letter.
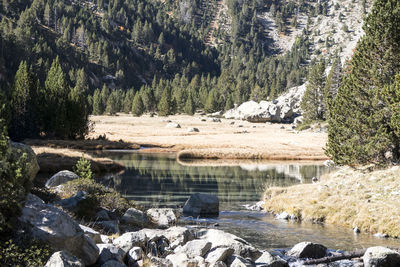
x: 344, y: 256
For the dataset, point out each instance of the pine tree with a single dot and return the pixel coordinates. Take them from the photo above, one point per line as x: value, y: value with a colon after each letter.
x: 23, y: 98
x: 78, y: 110
x: 137, y: 105
x: 313, y: 102
x: 98, y: 107
x: 56, y: 98
x: 190, y: 107
x: 166, y: 106
x: 212, y: 103
x: 360, y: 125
x: 332, y: 85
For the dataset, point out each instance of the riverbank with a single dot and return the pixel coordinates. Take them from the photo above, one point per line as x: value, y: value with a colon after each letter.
x: 368, y: 201
x: 216, y: 138
x: 52, y: 160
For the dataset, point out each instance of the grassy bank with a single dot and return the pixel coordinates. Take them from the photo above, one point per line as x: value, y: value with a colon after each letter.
x: 351, y: 198
x: 52, y: 160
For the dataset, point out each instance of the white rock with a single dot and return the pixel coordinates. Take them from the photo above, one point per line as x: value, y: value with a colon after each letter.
x: 220, y: 238
x: 381, y: 256
x: 267, y: 259
x: 173, y: 125
x: 218, y: 254
x: 61, y: 177
x: 193, y: 130
x: 237, y: 261
x: 194, y: 248
x: 129, y: 240
x: 179, y: 259
x: 63, y: 259
x: 163, y: 217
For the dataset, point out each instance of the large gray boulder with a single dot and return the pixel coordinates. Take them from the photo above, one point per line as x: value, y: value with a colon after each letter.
x: 176, y: 235
x: 109, y: 227
x: 135, y: 217
x: 219, y: 238
x: 237, y: 261
x: 64, y: 259
x: 308, y: 250
x: 201, y: 205
x: 194, y: 248
x: 162, y: 217
x: 268, y: 260
x: 60, y: 178
x: 54, y: 226
x: 381, y: 257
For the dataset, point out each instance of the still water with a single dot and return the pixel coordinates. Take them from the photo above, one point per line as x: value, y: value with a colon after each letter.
x: 159, y: 180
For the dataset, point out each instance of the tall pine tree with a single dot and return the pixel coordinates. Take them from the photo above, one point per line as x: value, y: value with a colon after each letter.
x: 361, y: 128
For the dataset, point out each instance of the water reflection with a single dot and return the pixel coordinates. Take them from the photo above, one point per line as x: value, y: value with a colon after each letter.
x: 159, y: 180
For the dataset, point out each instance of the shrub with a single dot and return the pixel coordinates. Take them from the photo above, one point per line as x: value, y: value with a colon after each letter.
x: 83, y: 168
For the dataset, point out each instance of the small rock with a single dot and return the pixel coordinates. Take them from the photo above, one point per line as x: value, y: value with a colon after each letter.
x: 380, y: 235
x: 381, y: 257
x: 267, y: 259
x: 283, y: 216
x: 109, y: 252
x: 356, y: 230
x: 282, y: 127
x: 308, y: 250
x: 110, y: 227
x: 232, y: 123
x: 102, y: 215
x: 135, y: 254
x: 218, y: 254
x: 194, y: 248
x: 61, y: 177
x: 158, y: 262
x: 64, y: 259
x: 179, y: 259
x: 201, y: 204
x: 193, y: 130
x: 314, y: 180
x: 129, y: 240
x: 173, y: 125
x: 105, y: 239
x: 162, y: 217
x: 237, y: 261
x: 134, y: 217
x: 329, y: 163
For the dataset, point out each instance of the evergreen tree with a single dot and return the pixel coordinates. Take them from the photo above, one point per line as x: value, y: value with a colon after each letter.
x: 332, y: 84
x: 212, y: 103
x: 190, y: 107
x: 166, y: 105
x: 127, y: 105
x: 78, y: 110
x: 137, y: 105
x: 23, y: 100
x: 313, y: 103
x: 98, y: 107
x: 361, y: 122
x: 56, y: 97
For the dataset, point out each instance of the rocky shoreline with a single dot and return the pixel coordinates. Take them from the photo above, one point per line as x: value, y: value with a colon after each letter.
x: 153, y: 237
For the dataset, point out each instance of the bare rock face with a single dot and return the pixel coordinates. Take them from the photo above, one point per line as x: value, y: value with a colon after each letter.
x: 308, y: 250
x: 381, y: 257
x: 201, y: 205
x: 54, y: 226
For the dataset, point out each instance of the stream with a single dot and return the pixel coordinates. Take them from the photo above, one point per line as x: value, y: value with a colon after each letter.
x: 159, y: 180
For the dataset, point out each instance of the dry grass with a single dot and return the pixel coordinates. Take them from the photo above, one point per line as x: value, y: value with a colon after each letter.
x: 215, y: 139
x: 52, y: 160
x: 370, y: 201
